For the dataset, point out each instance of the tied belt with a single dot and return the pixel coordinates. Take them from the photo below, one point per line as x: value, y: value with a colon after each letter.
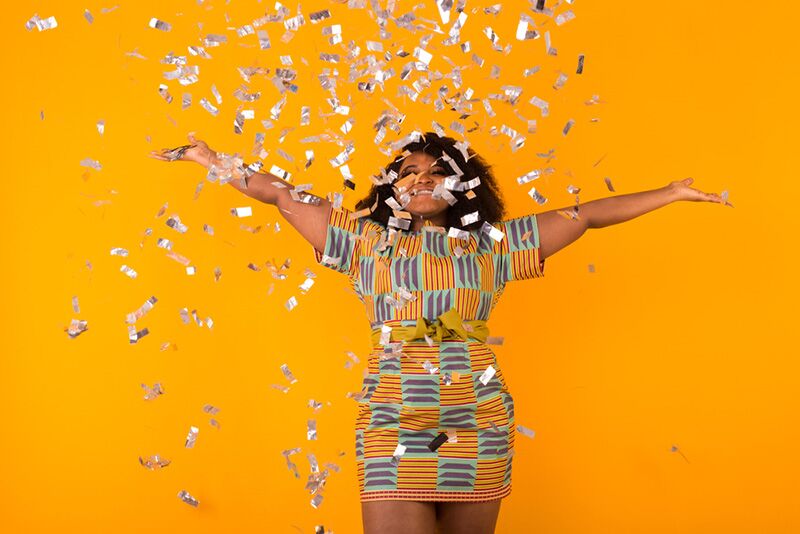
x: 448, y: 325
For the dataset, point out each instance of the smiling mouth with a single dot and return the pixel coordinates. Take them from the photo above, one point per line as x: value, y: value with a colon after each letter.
x: 417, y: 192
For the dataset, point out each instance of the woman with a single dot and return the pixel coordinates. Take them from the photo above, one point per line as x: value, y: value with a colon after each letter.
x: 429, y: 254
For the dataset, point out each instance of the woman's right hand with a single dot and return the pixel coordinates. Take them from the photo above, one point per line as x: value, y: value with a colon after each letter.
x: 197, y: 151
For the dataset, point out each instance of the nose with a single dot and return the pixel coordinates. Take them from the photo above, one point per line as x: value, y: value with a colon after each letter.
x: 423, y: 177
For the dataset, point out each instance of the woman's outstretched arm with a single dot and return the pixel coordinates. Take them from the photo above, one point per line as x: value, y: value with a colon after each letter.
x: 558, y: 228
x: 310, y: 220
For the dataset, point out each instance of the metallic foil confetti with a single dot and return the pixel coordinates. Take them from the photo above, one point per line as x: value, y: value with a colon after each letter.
x: 311, y: 432
x: 154, y: 462
x: 487, y: 375
x: 208, y: 106
x: 534, y: 194
x: 76, y: 328
x: 119, y: 252
x: 160, y: 25
x: 41, y: 24
x: 210, y: 409
x: 457, y: 233
x: 399, y: 451
x: 91, y: 163
x: 188, y: 499
x: 128, y: 271
x: 154, y: 392
x: 564, y: 17
x: 609, y: 185
x: 492, y: 232
x: 244, y: 211
x: 101, y: 126
x: 143, y: 309
x: 567, y: 126
x: 470, y: 218
x: 437, y: 442
x: 88, y: 16
x: 579, y: 70
x: 288, y: 374
x: 525, y: 431
x: 191, y: 437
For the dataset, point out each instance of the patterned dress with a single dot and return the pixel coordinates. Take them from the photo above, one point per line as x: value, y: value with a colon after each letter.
x: 432, y: 388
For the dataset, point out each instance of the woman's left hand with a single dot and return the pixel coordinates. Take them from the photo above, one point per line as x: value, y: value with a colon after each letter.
x: 680, y: 190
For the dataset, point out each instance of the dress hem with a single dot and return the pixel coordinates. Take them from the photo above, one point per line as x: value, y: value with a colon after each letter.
x: 436, y: 496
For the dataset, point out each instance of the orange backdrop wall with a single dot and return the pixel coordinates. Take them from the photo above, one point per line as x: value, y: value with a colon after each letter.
x: 662, y: 387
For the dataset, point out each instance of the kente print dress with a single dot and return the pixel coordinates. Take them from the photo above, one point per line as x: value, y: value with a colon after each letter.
x: 432, y: 387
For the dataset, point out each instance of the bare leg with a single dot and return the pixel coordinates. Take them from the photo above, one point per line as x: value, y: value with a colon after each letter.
x: 398, y: 517
x: 468, y: 517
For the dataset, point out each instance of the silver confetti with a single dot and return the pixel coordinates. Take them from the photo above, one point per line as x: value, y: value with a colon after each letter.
x: 188, y: 499
x: 191, y: 437
x: 160, y: 25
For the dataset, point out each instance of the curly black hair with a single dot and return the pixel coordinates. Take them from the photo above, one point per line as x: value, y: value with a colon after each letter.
x: 487, y: 201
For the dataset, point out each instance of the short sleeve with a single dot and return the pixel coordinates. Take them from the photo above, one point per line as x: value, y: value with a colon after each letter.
x: 343, y: 243
x: 517, y: 255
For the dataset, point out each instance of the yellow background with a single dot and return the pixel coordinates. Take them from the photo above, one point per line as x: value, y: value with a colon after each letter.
x: 685, y: 335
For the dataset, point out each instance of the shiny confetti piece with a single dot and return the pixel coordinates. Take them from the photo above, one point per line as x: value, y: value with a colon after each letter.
x: 534, y: 194
x: 263, y: 40
x: 245, y: 211
x: 163, y: 90
x: 567, y: 127
x: 101, y: 126
x: 175, y: 223
x: 525, y: 431
x: 119, y: 252
x: 314, y: 404
x: 154, y: 392
x: 191, y: 437
x: 210, y: 409
x: 208, y: 106
x: 154, y: 462
x: 316, y: 501
x: 128, y: 271
x: 319, y: 16
x: 579, y: 70
x: 457, y: 233
x: 311, y: 432
x: 191, y: 270
x: 563, y: 18
x: 609, y: 185
x: 41, y: 24
x: 135, y: 335
x: 399, y: 451
x: 88, y: 16
x: 437, y: 442
x: 291, y: 303
x: 159, y: 25
x: 470, y: 218
x: 91, y: 163
x: 487, y: 375
x: 166, y: 244
x: 452, y: 436
x: 75, y: 305
x: 188, y: 499
x: 492, y: 232
x: 288, y: 374
x: 141, y: 311
x: 76, y: 328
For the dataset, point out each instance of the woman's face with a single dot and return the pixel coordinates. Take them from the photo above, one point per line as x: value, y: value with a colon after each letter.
x: 420, y: 173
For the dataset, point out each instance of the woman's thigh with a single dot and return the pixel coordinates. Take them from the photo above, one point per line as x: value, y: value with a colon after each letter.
x: 398, y: 517
x: 468, y: 517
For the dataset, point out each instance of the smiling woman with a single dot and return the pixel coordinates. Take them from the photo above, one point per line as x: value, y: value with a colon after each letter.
x: 442, y: 158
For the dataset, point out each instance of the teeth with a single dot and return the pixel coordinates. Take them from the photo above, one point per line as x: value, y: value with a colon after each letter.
x: 421, y: 192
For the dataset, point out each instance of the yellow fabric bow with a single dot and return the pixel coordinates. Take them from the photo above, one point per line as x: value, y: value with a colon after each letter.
x: 448, y: 325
